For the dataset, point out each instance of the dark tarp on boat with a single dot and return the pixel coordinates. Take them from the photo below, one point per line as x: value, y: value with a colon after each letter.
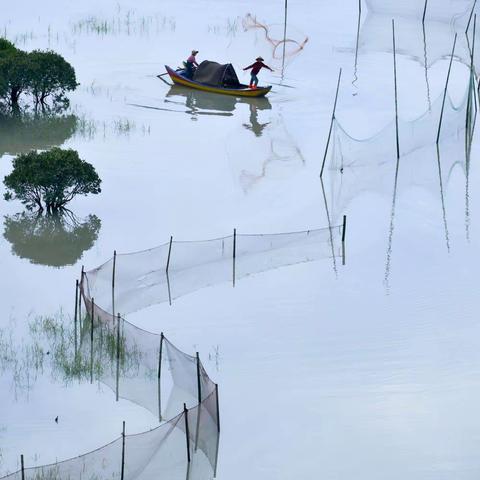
x: 216, y: 75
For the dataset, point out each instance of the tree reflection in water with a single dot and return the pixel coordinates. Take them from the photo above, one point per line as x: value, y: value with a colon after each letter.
x: 55, y: 240
x: 20, y: 133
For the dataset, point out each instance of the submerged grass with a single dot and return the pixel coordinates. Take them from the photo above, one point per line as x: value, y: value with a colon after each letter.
x: 67, y: 354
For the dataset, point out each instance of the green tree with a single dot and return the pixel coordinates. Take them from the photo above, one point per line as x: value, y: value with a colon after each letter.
x: 50, y: 179
x: 50, y: 75
x: 14, y: 74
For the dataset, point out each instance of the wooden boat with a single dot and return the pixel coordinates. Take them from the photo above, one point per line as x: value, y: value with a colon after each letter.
x: 242, y: 90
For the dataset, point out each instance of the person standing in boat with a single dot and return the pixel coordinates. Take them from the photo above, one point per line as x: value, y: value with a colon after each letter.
x: 256, y: 67
x: 191, y: 64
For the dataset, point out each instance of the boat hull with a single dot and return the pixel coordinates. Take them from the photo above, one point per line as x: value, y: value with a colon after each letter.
x: 235, y: 92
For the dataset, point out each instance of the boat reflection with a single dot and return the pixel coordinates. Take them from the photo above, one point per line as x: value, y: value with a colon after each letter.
x: 54, y: 240
x: 204, y: 103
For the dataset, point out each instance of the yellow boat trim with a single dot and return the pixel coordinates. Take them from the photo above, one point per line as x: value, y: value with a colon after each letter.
x: 236, y: 93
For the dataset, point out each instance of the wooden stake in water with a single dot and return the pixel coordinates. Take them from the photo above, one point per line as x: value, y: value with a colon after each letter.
x: 187, y: 431
x: 470, y: 17
x: 22, y: 464
x: 122, y: 474
x: 113, y: 283
x: 331, y: 122
x: 80, y: 298
x: 396, y: 91
x: 344, y: 228
x: 218, y: 407
x: 160, y: 378
x: 199, y: 396
x: 445, y: 89
x: 75, y: 317
x: 166, y: 270
x: 117, y: 374
x: 424, y: 11
x: 234, y: 252
x: 92, y: 313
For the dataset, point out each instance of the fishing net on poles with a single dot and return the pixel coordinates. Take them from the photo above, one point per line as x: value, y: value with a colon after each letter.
x: 147, y: 369
x: 437, y: 10
x: 355, y: 166
x: 141, y: 278
x: 157, y: 453
x: 425, y: 44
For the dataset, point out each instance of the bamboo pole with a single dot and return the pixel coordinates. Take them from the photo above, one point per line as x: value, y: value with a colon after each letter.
x: 92, y: 313
x: 187, y: 432
x: 75, y: 318
x: 218, y: 408
x: 199, y: 384
x: 160, y: 378
x: 396, y: 91
x: 117, y: 373
x: 22, y: 466
x: 424, y: 11
x: 169, y: 253
x: 445, y: 90
x: 331, y: 122
x: 166, y: 270
x: 344, y: 227
x: 234, y: 253
x: 470, y: 17
x: 113, y: 283
x: 80, y: 298
x: 123, y: 453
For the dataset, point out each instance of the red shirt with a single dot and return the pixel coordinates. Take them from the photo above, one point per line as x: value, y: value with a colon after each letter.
x: 256, y: 67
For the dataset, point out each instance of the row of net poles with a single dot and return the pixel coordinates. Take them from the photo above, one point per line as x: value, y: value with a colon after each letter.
x: 331, y: 122
x: 397, y: 144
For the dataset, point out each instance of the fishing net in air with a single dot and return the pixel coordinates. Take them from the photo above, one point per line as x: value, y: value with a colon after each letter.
x: 141, y: 278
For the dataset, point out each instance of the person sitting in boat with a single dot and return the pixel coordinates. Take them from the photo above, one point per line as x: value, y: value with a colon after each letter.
x: 191, y: 64
x: 256, y: 67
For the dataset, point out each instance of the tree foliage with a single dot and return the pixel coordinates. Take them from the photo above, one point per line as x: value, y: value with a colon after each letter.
x: 50, y: 179
x: 41, y: 74
x: 50, y: 75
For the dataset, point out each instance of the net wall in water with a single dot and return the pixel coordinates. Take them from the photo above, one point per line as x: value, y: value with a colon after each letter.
x: 141, y: 278
x: 437, y: 10
x: 147, y: 369
x: 368, y: 165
